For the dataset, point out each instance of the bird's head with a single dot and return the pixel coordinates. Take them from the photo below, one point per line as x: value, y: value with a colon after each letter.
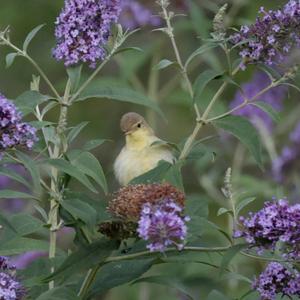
x: 135, y: 127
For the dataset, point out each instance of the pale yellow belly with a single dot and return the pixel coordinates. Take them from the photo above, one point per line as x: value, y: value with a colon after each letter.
x: 130, y: 164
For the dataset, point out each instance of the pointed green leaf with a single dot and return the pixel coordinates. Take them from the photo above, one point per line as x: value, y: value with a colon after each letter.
x: 32, y: 168
x: 74, y: 74
x: 89, y: 165
x: 243, y: 204
x: 59, y: 293
x: 10, y: 57
x: 118, y: 273
x: 203, y: 80
x: 66, y: 167
x: 164, y: 63
x: 123, y: 94
x: 200, y: 51
x: 12, y: 174
x: 92, y: 144
x: 74, y: 132
x: 267, y: 108
x: 31, y: 35
x: 245, y: 132
x: 10, y: 194
x: 85, y: 258
x: 20, y: 245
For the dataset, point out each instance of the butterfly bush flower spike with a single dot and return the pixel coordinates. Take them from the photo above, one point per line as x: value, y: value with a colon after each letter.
x: 14, y: 132
x: 10, y: 287
x: 272, y: 37
x: 82, y: 30
x: 277, y: 280
x: 162, y: 225
x: 276, y: 222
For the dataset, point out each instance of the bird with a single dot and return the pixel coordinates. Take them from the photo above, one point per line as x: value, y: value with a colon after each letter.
x: 142, y: 150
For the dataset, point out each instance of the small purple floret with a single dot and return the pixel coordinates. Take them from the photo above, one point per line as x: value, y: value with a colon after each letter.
x: 276, y: 222
x: 83, y: 28
x: 162, y: 225
x: 277, y: 280
x: 14, y: 132
x: 272, y: 36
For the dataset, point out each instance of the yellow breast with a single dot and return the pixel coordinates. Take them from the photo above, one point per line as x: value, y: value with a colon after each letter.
x: 138, y: 157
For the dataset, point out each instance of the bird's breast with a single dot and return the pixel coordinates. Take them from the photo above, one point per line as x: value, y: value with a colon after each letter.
x: 132, y: 163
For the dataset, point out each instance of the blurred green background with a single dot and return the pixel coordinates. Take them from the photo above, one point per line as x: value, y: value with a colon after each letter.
x: 203, y: 178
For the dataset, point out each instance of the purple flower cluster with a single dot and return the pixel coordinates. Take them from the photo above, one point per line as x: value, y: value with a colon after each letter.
x: 135, y: 14
x: 277, y: 280
x: 276, y: 222
x: 83, y: 28
x: 273, y: 97
x: 272, y: 36
x: 162, y: 225
x: 14, y: 132
x: 10, y: 288
x: 288, y: 156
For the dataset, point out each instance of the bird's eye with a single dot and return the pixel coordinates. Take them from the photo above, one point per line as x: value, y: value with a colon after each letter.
x: 139, y: 125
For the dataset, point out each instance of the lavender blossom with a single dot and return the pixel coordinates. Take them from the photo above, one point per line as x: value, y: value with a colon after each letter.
x: 272, y: 36
x: 277, y: 280
x: 135, y: 14
x: 83, y: 28
x: 162, y: 225
x: 273, y: 97
x: 10, y: 288
x: 13, y: 132
x: 25, y: 259
x: 288, y: 156
x: 276, y: 222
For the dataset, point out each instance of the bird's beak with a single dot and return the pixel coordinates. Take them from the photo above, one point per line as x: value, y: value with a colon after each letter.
x: 128, y: 132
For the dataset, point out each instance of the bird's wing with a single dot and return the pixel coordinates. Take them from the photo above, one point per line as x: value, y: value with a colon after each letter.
x: 161, y: 143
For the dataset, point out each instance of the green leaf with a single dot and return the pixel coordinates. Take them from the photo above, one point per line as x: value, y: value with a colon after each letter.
x: 27, y: 101
x: 32, y: 168
x: 216, y: 295
x: 169, y: 282
x: 245, y: 132
x: 89, y: 165
x: 126, y: 49
x: 243, y: 204
x: 26, y: 224
x: 74, y: 74
x: 229, y: 255
x: 202, y: 81
x: 204, y: 48
x: 196, y: 205
x: 80, y: 210
x: 20, y: 245
x: 223, y: 211
x: 59, y: 293
x: 200, y: 22
x: 31, y: 35
x: 74, y: 132
x: 123, y: 94
x: 92, y: 144
x: 66, y: 167
x: 12, y: 174
x: 118, y: 273
x: 10, y: 57
x: 85, y: 258
x: 267, y: 108
x: 164, y: 63
x: 4, y: 222
x: 10, y: 194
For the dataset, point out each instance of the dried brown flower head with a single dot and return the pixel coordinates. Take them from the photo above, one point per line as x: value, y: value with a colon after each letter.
x: 128, y: 201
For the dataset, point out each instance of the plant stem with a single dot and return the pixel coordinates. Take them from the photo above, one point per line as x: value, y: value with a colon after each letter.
x: 167, y: 16
x: 58, y: 150
x: 34, y: 63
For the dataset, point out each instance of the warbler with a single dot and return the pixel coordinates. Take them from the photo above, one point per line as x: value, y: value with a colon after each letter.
x: 142, y: 151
